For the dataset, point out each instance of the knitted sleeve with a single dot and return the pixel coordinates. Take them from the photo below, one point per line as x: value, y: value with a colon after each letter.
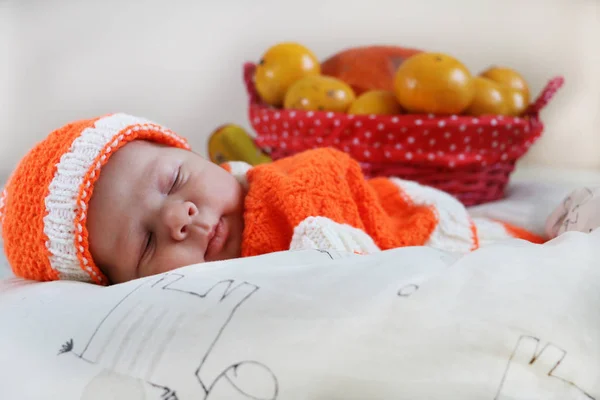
x: 324, y: 234
x: 283, y: 196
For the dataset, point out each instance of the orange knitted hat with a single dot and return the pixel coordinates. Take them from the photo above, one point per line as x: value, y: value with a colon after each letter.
x: 43, y: 206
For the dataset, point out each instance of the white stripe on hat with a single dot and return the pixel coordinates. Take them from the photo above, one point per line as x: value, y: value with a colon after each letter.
x: 2, y: 199
x: 60, y: 225
x: 2, y: 204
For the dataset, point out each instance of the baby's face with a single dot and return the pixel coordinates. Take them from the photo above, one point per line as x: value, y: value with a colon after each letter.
x: 157, y: 208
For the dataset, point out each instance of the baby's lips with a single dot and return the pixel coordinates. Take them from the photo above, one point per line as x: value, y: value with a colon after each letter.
x: 217, y: 239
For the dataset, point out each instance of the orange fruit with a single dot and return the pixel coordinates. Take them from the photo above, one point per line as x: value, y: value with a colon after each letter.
x: 368, y: 67
x: 380, y: 102
x: 508, y: 77
x: 516, y: 101
x: 319, y: 93
x: 279, y: 67
x: 490, y: 98
x: 433, y: 83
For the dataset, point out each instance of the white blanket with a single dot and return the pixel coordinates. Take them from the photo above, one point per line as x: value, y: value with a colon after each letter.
x: 506, y: 322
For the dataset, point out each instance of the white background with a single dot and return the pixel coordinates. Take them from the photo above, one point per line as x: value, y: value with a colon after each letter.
x: 180, y: 62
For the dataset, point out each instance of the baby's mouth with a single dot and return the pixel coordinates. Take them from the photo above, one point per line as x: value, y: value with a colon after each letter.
x: 217, y: 239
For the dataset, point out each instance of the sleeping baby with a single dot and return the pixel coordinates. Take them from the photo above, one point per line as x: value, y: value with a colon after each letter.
x: 115, y: 198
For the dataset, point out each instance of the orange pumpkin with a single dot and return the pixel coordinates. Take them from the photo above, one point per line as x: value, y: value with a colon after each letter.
x: 367, y: 68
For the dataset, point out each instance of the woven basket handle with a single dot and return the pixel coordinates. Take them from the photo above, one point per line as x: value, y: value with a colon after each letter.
x: 253, y: 96
x: 547, y: 93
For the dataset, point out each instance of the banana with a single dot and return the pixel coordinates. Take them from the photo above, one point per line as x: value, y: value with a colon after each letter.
x: 231, y: 142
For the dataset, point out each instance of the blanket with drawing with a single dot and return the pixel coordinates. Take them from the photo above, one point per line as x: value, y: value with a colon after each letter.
x: 509, y: 321
x: 319, y: 199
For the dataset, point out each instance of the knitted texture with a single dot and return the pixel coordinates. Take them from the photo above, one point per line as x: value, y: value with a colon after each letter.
x: 321, y: 233
x: 318, y: 198
x: 44, y: 207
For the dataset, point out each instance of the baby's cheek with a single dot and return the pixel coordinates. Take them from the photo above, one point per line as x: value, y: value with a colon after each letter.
x: 178, y: 256
x: 229, y: 198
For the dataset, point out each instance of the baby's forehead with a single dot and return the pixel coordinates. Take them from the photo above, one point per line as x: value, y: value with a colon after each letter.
x: 139, y: 152
x: 147, y: 145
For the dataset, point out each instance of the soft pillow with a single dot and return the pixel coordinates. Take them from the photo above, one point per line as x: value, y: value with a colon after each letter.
x: 510, y: 321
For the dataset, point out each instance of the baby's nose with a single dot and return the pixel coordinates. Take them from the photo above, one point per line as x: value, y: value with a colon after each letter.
x: 178, y: 217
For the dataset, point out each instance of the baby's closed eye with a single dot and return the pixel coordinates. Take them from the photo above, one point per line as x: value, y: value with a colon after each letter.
x: 176, y: 181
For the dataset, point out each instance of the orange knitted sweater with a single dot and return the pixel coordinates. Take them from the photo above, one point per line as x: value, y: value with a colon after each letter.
x: 320, y: 199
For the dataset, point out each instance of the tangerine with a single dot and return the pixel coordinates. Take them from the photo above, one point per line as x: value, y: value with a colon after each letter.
x: 280, y: 67
x: 379, y: 102
x: 490, y: 98
x: 433, y: 83
x: 319, y: 93
x: 515, y: 87
x: 508, y: 77
x: 516, y: 101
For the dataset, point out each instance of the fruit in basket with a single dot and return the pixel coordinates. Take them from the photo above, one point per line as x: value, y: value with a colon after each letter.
x: 490, y: 98
x: 379, y: 102
x: 231, y: 142
x: 319, y: 93
x: 434, y: 83
x: 279, y: 67
x: 367, y: 68
x: 516, y: 101
x: 515, y: 87
x: 508, y: 77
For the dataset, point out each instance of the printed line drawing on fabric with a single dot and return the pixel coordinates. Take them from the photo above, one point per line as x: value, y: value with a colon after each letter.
x: 325, y: 252
x: 408, y: 290
x: 531, y: 368
x: 135, y: 339
x: 567, y: 203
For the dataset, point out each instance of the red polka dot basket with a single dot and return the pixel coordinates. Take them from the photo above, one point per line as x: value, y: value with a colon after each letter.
x: 470, y: 158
